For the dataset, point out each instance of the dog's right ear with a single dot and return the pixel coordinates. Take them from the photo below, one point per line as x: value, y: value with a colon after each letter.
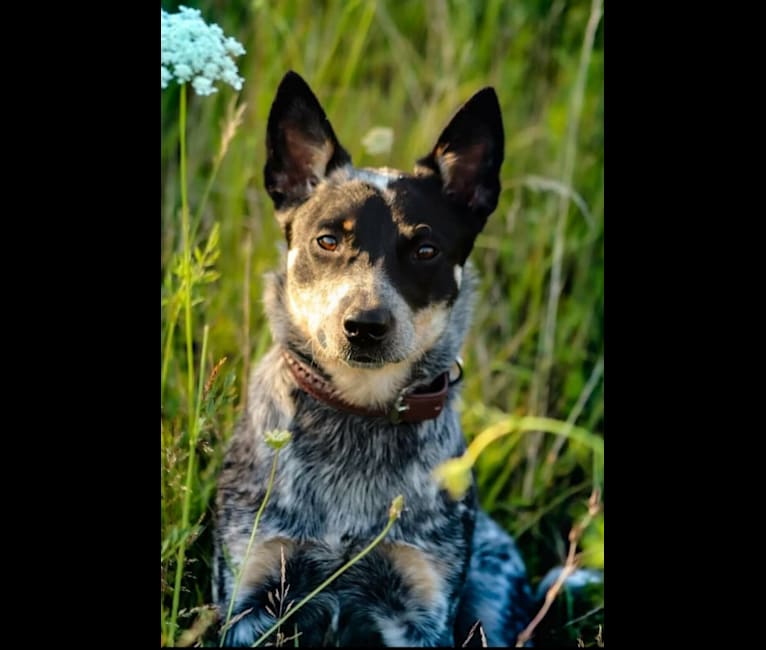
x: 301, y: 147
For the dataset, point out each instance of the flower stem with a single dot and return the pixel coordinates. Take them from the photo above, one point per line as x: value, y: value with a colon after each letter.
x: 185, y: 229
x: 394, y: 514
x: 242, y: 565
x: 191, y: 407
x: 188, y: 490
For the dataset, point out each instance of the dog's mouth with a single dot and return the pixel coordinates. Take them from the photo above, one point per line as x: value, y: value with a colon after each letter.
x: 365, y: 361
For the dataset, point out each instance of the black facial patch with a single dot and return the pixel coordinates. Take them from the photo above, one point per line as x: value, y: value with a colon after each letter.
x: 360, y: 222
x: 421, y: 209
x: 368, y: 226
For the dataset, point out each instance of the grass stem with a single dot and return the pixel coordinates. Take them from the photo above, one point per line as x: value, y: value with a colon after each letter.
x: 243, y: 564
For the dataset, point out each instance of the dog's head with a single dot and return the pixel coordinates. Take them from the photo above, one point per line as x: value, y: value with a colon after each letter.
x: 375, y: 257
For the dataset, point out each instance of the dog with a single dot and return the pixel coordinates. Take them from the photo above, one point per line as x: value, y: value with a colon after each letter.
x: 368, y: 314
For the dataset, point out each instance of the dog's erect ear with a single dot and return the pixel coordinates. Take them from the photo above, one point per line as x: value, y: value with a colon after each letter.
x: 468, y: 155
x: 301, y: 146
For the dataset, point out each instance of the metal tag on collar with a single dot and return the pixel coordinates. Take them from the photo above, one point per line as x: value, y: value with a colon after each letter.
x: 459, y: 364
x: 399, y: 407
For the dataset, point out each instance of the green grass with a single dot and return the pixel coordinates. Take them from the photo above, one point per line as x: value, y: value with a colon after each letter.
x: 407, y: 66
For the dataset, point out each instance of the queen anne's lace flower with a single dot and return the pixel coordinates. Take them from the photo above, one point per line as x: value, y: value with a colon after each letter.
x: 195, y: 51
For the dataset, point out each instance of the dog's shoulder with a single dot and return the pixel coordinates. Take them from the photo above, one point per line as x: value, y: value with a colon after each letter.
x: 269, y: 408
x: 269, y: 404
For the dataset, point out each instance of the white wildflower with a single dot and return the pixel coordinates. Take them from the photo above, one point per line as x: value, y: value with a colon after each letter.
x: 278, y: 438
x: 203, y: 86
x: 183, y: 72
x: 378, y: 140
x: 194, y: 51
x: 234, y: 47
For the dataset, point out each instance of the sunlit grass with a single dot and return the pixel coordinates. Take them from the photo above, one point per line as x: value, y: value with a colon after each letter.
x: 404, y: 66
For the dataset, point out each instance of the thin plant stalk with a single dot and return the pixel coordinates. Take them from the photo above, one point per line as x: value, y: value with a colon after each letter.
x: 572, y: 562
x: 585, y: 394
x: 228, y: 132
x: 188, y: 488
x: 187, y: 290
x: 185, y: 228
x: 248, y: 245
x: 393, y: 514
x: 249, y: 545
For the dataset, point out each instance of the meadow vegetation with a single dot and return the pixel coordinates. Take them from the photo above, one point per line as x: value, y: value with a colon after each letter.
x: 536, y: 347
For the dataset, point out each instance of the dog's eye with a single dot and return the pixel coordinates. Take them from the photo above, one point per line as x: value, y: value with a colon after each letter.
x: 426, y: 252
x: 328, y: 242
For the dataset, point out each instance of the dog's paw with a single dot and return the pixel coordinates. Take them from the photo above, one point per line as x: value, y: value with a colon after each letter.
x: 313, y: 625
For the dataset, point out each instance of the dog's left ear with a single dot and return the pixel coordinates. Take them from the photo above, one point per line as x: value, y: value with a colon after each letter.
x: 301, y: 147
x: 468, y: 155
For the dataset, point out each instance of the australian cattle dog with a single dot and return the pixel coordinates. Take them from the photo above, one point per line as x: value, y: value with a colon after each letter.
x: 368, y: 313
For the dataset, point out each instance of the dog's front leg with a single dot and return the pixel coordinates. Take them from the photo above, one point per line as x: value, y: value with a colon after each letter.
x: 398, y: 596
x: 269, y: 589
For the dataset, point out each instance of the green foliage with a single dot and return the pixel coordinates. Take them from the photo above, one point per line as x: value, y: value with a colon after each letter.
x: 405, y: 66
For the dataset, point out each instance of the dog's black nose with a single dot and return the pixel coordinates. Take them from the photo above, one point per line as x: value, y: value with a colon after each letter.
x: 364, y: 327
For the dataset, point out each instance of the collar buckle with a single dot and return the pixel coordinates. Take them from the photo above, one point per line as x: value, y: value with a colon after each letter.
x: 399, y: 407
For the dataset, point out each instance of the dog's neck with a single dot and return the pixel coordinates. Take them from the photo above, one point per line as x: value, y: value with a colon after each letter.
x: 423, y: 404
x: 373, y: 388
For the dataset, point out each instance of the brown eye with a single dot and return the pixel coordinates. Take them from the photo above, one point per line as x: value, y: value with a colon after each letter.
x: 328, y: 242
x: 426, y: 252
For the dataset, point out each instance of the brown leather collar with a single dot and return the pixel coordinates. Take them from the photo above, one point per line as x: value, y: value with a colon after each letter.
x: 415, y: 406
